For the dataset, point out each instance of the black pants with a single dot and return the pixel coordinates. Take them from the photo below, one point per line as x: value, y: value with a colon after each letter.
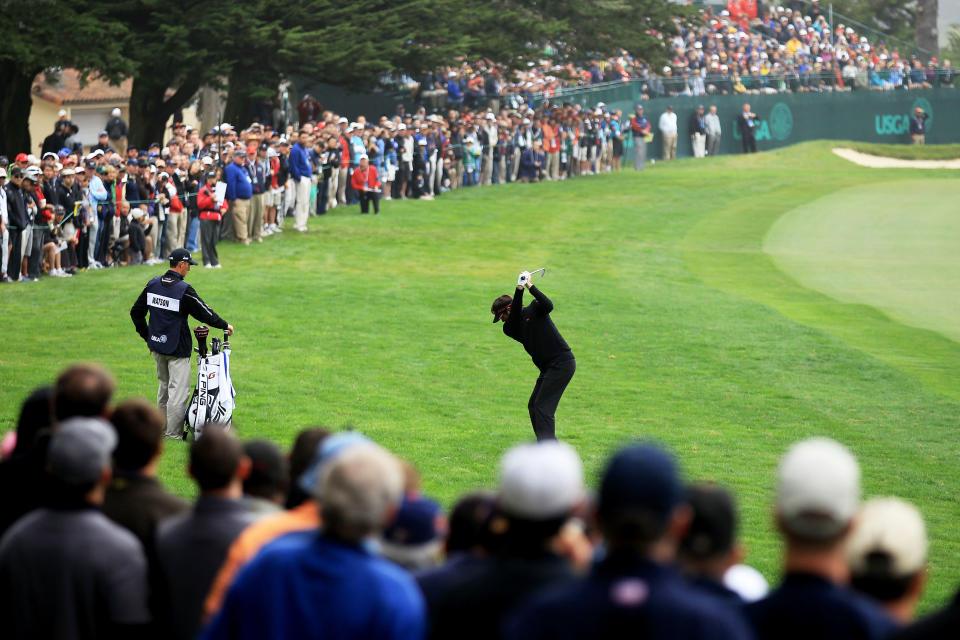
x: 209, y: 235
x: 546, y: 396
x: 366, y: 197
x: 749, y: 144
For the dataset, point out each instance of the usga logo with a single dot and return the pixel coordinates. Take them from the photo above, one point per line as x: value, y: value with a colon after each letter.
x: 895, y: 124
x: 161, y: 339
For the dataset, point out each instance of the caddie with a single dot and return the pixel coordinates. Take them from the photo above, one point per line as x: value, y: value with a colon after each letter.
x: 169, y: 299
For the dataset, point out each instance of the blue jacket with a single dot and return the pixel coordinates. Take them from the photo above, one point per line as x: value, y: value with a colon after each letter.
x: 303, y: 585
x: 238, y: 182
x: 299, y: 165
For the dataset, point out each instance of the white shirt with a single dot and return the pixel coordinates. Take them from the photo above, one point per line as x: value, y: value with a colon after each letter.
x: 668, y: 123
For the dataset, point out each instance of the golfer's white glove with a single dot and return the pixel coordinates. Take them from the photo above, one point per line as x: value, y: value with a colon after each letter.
x: 523, y: 278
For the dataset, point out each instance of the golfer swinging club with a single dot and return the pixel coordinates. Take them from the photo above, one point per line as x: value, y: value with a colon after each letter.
x: 170, y: 300
x: 532, y: 327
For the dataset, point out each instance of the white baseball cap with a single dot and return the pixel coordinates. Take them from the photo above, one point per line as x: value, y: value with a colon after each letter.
x: 818, y: 492
x: 540, y: 481
x: 115, y: 112
x: 891, y: 529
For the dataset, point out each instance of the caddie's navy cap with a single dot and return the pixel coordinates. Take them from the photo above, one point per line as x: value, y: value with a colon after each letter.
x: 180, y: 255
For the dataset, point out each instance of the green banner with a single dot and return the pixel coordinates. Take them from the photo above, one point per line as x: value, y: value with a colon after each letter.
x: 788, y: 118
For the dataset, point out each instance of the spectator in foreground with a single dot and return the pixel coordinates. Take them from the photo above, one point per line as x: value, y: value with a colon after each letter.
x: 415, y: 538
x: 351, y: 592
x: 709, y: 549
x: 83, y: 390
x: 818, y: 494
x: 634, y: 591
x: 135, y: 499
x: 303, y: 513
x: 887, y: 553
x: 66, y: 570
x: 265, y: 487
x: 25, y: 468
x: 540, y: 486
x: 466, y: 543
x: 938, y: 626
x: 191, y: 547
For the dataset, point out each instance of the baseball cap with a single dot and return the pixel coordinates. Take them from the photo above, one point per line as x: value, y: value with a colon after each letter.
x: 640, y: 477
x: 64, y: 173
x: 80, y: 449
x: 540, y: 481
x: 818, y: 490
x: 419, y: 520
x: 889, y: 541
x: 180, y: 255
x: 329, y: 448
x: 102, y: 134
x: 132, y: 162
x: 3, y: 172
x: 714, y: 523
x: 210, y: 174
x: 22, y: 157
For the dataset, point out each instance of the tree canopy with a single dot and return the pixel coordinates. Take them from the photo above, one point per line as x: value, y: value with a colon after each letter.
x: 171, y: 48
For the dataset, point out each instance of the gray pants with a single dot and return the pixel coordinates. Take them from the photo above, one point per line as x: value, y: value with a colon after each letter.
x: 486, y: 173
x: 209, y: 235
x: 174, y: 391
x: 343, y: 178
x: 713, y: 144
x: 639, y: 153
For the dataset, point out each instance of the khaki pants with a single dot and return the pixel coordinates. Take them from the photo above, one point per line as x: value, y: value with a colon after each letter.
x: 669, y: 146
x: 120, y: 144
x: 255, y: 219
x: 342, y: 185
x: 918, y: 138
x: 552, y: 170
x: 174, y: 391
x: 176, y: 230
x: 302, y: 209
x: 241, y: 211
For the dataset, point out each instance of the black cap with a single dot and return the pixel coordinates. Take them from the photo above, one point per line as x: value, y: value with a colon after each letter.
x: 210, y: 174
x: 714, y: 523
x: 180, y: 255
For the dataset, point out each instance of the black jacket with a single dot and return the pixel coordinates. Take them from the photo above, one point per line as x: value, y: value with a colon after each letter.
x: 532, y: 327
x: 190, y: 305
x: 16, y: 208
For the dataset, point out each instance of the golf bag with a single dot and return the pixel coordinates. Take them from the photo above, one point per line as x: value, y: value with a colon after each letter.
x: 212, y: 401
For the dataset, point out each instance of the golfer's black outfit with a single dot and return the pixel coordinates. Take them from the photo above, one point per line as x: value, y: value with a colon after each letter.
x: 532, y: 327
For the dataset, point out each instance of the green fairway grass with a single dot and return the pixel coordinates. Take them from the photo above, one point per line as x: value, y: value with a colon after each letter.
x: 907, y: 151
x: 891, y: 245
x: 685, y: 328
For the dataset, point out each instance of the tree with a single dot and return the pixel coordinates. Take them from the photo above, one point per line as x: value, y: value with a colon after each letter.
x: 952, y: 50
x: 927, y: 36
x: 49, y: 34
x: 176, y: 47
x: 893, y: 17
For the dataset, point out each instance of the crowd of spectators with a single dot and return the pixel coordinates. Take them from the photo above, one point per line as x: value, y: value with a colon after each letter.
x: 477, y: 124
x: 747, y: 48
x: 336, y: 539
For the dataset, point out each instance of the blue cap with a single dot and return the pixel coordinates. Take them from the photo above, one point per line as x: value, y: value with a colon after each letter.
x: 640, y: 477
x: 328, y: 449
x: 419, y: 521
x: 63, y: 153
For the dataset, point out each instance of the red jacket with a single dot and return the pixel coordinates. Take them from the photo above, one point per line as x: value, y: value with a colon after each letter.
x: 370, y: 179
x: 344, y: 152
x: 208, y: 206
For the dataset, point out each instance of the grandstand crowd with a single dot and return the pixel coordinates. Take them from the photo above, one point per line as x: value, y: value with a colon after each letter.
x: 335, y: 539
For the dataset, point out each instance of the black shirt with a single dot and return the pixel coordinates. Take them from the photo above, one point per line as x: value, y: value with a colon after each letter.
x: 809, y: 606
x: 190, y: 304
x: 532, y: 327
x: 943, y: 624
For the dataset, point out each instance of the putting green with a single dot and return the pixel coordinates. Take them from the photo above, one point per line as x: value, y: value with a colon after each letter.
x: 894, y: 246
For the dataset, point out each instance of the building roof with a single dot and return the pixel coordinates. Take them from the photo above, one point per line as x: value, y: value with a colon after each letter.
x: 68, y: 89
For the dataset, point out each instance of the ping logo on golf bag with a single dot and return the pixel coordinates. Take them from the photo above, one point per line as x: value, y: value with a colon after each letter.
x: 163, y: 302
x: 212, y: 376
